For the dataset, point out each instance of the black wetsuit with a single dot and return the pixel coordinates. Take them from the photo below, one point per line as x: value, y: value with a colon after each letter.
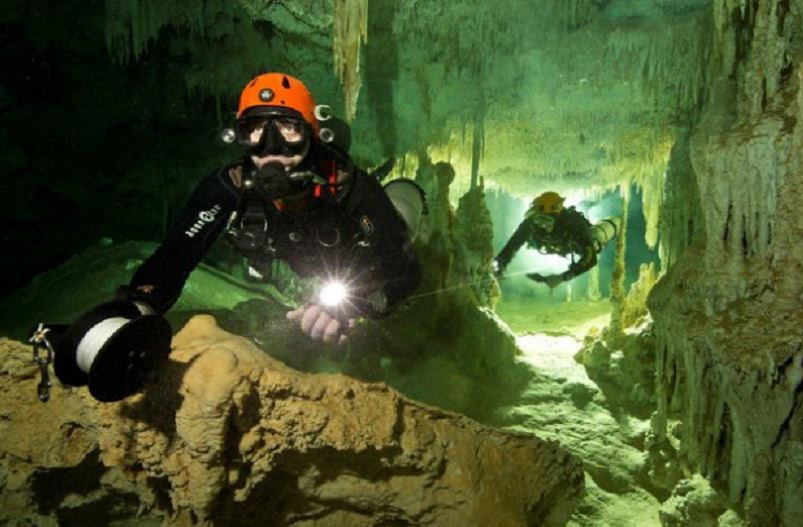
x: 570, y: 235
x: 348, y: 229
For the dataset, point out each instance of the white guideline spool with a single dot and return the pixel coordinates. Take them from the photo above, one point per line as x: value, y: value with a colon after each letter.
x: 95, y: 339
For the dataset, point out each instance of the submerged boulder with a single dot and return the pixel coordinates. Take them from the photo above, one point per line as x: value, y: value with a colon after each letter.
x: 228, y: 435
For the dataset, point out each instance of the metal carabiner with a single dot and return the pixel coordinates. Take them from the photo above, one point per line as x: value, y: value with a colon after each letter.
x: 39, y: 340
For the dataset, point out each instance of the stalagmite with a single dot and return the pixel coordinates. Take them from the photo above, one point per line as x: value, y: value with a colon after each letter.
x: 636, y: 299
x: 349, y: 33
x: 593, y: 293
x: 618, y: 275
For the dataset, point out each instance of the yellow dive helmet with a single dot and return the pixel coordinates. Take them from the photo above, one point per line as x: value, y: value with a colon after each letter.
x: 548, y: 203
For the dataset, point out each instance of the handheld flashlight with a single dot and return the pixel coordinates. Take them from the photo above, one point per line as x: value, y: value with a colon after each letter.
x: 333, y: 294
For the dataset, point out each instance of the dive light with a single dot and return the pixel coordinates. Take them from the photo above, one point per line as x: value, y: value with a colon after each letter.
x: 333, y: 294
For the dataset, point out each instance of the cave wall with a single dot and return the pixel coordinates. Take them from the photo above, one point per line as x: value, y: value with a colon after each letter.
x: 91, y: 147
x: 727, y: 314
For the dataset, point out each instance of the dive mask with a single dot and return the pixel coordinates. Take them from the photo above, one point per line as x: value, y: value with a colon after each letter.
x: 265, y: 135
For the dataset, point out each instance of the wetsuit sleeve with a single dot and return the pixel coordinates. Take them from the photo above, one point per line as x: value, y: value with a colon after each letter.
x: 519, y: 238
x: 160, y: 279
x: 393, y: 266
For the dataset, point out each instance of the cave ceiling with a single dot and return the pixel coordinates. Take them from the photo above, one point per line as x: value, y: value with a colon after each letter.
x: 570, y: 94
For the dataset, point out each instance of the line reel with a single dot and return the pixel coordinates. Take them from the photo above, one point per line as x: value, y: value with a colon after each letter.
x: 112, y: 348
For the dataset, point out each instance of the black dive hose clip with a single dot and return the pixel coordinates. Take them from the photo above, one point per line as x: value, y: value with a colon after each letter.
x: 40, y: 342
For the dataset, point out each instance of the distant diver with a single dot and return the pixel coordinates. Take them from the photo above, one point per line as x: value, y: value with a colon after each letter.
x: 551, y: 228
x: 294, y: 195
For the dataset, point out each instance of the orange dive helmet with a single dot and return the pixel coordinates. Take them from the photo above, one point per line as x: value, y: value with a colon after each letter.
x: 549, y: 203
x: 278, y: 94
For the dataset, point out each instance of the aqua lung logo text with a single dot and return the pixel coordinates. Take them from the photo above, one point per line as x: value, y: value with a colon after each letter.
x: 204, y: 217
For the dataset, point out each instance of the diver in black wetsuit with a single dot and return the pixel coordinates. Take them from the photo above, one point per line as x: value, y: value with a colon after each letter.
x: 295, y: 198
x: 552, y: 228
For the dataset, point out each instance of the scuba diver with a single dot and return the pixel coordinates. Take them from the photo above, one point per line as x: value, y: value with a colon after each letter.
x: 294, y: 196
x: 554, y: 229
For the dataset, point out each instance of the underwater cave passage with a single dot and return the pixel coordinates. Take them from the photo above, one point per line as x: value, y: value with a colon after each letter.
x: 573, y: 307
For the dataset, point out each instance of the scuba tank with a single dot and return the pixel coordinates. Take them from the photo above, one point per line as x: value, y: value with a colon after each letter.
x: 604, y: 231
x: 410, y: 202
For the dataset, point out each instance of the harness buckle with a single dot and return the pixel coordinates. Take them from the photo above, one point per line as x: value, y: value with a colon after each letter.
x: 366, y: 226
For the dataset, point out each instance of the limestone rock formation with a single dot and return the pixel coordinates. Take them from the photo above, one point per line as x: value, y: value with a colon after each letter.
x: 729, y: 352
x: 695, y: 503
x: 229, y: 436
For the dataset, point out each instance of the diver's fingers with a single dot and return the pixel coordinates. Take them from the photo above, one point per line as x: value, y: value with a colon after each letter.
x: 331, y: 332
x: 309, y: 317
x: 351, y: 324
x: 320, y: 325
x: 295, y: 314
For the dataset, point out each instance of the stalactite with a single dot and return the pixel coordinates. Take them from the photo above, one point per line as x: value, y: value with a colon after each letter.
x: 132, y: 24
x: 740, y: 189
x: 458, y: 150
x: 350, y: 32
x: 616, y: 327
x: 652, y: 184
x: 476, y: 149
x: 681, y: 217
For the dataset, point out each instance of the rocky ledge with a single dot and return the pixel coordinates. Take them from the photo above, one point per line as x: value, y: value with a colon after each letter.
x: 228, y: 435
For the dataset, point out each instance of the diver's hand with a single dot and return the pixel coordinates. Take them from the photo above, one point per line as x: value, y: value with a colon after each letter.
x: 320, y: 325
x: 498, y: 267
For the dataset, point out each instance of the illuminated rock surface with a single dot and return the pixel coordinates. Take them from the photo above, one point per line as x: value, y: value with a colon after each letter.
x: 230, y: 436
